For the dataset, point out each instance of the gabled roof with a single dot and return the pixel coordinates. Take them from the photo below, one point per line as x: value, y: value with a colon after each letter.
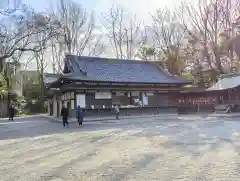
x: 117, y: 70
x: 226, y: 83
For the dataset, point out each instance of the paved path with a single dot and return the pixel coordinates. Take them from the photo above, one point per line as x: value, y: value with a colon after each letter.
x: 113, y: 118
x: 186, y: 148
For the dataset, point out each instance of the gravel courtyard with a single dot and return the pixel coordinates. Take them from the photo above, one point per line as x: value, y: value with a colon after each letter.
x: 188, y: 148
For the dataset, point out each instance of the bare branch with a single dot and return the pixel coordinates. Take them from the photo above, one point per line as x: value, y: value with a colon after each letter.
x: 123, y: 32
x: 168, y: 36
x: 76, y: 28
x: 18, y: 31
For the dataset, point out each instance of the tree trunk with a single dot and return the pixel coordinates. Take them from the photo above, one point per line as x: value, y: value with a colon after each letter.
x: 218, y: 63
x: 8, y: 94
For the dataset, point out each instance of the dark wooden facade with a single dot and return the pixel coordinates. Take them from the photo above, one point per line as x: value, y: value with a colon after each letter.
x: 197, y: 100
x: 207, y: 101
x: 129, y: 97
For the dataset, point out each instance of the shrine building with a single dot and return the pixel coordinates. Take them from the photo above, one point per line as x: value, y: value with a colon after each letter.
x: 97, y: 84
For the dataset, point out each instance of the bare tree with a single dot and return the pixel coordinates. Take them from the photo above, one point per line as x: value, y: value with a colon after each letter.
x: 28, y: 62
x: 57, y: 52
x: 168, y: 36
x: 123, y: 32
x: 75, y: 31
x: 96, y: 46
x: 146, y: 52
x: 17, y: 29
x: 41, y: 60
x: 147, y: 49
x: 208, y: 23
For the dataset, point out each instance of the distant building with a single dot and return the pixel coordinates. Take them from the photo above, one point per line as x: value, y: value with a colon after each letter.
x: 24, y: 77
x: 32, y: 76
x: 12, y: 70
x: 19, y: 76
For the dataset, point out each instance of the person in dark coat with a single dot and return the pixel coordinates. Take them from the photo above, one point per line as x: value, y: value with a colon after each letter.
x: 64, y: 114
x: 11, y: 112
x: 80, y: 116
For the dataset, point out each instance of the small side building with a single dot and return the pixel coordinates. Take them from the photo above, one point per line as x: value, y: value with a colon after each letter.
x: 97, y: 84
x: 196, y: 99
x: 227, y: 89
x: 220, y: 96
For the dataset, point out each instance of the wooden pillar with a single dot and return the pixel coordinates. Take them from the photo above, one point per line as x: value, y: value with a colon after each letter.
x: 49, y: 107
x: 55, y: 106
x: 60, y: 107
x: 130, y: 97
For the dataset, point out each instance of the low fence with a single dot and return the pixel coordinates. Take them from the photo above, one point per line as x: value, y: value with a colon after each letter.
x: 195, y: 108
x: 181, y: 109
x: 127, y: 111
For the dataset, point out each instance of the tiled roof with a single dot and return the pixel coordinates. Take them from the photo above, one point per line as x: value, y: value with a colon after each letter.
x: 226, y: 83
x: 117, y: 70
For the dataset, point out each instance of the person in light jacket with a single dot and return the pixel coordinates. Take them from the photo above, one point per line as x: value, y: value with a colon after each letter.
x: 117, y: 111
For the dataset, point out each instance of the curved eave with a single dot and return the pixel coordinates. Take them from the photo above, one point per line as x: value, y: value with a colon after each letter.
x: 85, y: 79
x: 57, y: 83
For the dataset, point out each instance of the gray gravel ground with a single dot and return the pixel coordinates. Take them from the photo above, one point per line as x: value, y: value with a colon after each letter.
x: 188, y: 148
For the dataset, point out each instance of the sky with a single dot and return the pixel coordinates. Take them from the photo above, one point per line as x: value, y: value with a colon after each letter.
x: 142, y: 8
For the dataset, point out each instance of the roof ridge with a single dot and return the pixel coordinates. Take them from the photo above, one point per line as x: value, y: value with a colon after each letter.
x: 163, y: 70
x: 169, y: 74
x: 84, y: 58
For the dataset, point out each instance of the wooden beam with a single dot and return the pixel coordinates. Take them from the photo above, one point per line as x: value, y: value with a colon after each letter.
x: 98, y: 83
x: 120, y: 89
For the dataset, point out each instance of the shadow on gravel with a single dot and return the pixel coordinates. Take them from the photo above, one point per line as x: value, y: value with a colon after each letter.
x: 112, y: 171
x: 43, y: 127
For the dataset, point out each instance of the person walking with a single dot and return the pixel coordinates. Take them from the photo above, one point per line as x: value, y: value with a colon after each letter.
x: 80, y: 115
x: 11, y: 112
x: 64, y: 114
x: 117, y: 111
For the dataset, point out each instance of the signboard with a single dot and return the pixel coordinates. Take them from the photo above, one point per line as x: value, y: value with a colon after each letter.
x: 103, y: 95
x: 145, y: 100
x: 149, y: 93
x: 72, y: 104
x: 135, y: 93
x: 120, y: 93
x: 81, y: 100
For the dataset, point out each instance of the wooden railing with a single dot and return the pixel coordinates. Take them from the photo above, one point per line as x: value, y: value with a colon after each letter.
x: 230, y: 102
